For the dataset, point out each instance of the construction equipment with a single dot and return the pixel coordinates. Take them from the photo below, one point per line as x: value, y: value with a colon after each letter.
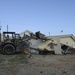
x: 12, y: 43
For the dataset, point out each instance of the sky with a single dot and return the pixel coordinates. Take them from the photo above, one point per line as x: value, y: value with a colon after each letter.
x: 56, y: 17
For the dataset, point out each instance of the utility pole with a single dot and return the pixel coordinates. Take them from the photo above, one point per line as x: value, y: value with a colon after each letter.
x: 49, y: 33
x: 7, y: 28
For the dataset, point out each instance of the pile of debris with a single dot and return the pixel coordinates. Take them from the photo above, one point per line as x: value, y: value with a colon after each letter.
x: 38, y: 42
x: 41, y: 44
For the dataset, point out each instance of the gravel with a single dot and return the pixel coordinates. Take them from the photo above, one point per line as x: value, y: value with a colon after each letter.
x: 20, y: 64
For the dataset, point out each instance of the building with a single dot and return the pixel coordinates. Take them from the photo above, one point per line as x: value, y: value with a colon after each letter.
x: 68, y: 40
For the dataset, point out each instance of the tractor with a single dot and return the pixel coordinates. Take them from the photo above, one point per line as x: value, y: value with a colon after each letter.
x: 12, y: 43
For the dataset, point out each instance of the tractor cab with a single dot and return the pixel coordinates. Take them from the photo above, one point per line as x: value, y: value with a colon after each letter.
x: 10, y: 37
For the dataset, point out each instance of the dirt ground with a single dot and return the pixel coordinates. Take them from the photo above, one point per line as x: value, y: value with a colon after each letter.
x: 20, y: 64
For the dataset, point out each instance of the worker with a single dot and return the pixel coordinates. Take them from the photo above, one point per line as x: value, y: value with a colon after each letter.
x: 7, y: 38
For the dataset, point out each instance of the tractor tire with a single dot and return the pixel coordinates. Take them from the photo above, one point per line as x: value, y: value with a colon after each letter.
x: 8, y: 49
